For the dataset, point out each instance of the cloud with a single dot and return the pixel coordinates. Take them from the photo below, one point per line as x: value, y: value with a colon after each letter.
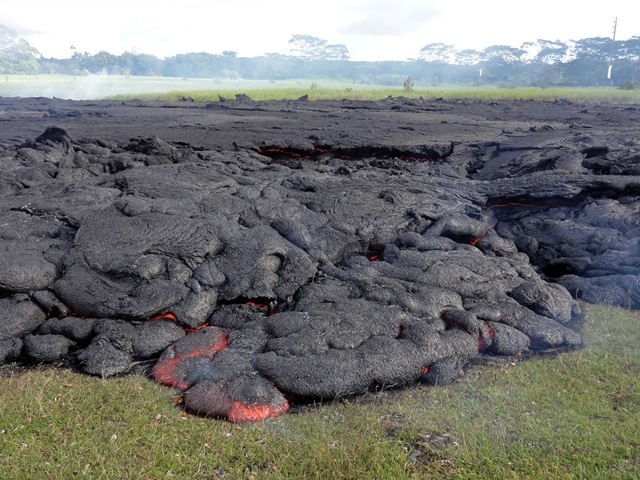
x: 20, y: 29
x: 389, y: 18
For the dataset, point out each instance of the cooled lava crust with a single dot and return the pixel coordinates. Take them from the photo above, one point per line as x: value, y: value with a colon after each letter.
x: 263, y: 253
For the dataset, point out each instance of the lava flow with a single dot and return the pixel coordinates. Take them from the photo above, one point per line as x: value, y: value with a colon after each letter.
x: 484, y: 344
x: 176, y: 365
x: 241, y: 413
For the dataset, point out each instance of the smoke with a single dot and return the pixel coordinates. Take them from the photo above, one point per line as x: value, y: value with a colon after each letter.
x: 92, y: 87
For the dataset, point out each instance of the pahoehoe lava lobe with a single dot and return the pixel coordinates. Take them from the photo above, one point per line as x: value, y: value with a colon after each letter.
x: 257, y: 254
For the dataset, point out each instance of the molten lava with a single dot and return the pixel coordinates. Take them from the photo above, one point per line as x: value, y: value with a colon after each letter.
x: 482, y: 343
x: 261, y: 305
x: 475, y: 241
x: 174, y: 367
x: 241, y: 413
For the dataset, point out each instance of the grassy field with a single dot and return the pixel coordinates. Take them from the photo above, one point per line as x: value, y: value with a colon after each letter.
x: 572, y: 416
x: 285, y: 92
x: 163, y: 88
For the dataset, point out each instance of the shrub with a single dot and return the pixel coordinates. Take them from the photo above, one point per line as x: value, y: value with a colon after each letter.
x: 629, y: 85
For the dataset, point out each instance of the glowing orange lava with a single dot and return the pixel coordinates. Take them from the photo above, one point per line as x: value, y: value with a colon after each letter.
x: 240, y: 413
x: 475, y: 241
x: 263, y: 306
x: 481, y: 343
x: 166, y: 371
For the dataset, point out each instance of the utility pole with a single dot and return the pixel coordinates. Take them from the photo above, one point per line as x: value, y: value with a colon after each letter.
x: 613, y: 44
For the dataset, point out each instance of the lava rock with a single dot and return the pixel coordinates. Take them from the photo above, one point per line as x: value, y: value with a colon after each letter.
x: 19, y: 316
x: 47, y: 348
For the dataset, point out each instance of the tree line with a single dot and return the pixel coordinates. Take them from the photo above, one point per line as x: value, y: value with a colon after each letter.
x: 586, y: 62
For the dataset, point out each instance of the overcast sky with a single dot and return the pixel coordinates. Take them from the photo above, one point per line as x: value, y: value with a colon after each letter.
x: 371, y: 29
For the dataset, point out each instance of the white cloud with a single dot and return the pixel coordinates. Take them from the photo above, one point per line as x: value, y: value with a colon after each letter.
x: 388, y: 17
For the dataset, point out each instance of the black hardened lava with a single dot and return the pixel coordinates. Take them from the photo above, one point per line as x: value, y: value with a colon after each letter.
x: 253, y: 277
x: 420, y: 153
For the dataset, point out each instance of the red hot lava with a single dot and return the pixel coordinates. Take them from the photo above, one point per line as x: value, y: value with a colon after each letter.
x: 175, y: 366
x: 240, y: 413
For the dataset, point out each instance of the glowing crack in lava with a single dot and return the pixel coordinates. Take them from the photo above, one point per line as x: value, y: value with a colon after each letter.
x: 188, y: 366
x: 417, y: 154
x: 177, y: 364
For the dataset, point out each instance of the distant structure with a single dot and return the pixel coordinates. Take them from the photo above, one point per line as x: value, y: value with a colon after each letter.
x: 613, y: 45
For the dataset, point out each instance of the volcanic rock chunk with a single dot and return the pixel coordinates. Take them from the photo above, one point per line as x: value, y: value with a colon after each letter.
x: 259, y: 263
x: 549, y: 300
x: 244, y: 399
x: 10, y: 349
x: 47, y: 348
x: 544, y: 332
x: 134, y: 266
x: 111, y: 350
x: 154, y: 336
x: 19, y: 316
x: 443, y: 372
x: 620, y: 290
x: 200, y: 301
x: 51, y: 304
x: 183, y: 363
x: 55, y: 137
x: 506, y: 340
x: 75, y: 328
x: 601, y: 245
x: 458, y: 228
x: 31, y: 251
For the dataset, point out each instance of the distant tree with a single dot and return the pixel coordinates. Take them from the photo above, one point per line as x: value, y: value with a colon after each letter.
x: 596, y: 49
x: 469, y: 57
x: 503, y: 64
x: 143, y: 64
x: 504, y: 54
x: 102, y: 62
x: 308, y: 47
x: 590, y: 63
x: 193, y: 65
x: 630, y: 49
x: 549, y: 52
x: 437, y: 53
x: 16, y: 55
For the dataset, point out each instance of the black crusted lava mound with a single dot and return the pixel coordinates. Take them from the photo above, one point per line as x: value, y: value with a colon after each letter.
x: 253, y: 275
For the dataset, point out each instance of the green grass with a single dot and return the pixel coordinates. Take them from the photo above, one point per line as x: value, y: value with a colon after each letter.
x: 204, y: 90
x: 581, y: 95
x: 573, y: 416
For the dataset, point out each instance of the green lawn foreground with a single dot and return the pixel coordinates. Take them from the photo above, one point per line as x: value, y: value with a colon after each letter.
x: 571, y: 416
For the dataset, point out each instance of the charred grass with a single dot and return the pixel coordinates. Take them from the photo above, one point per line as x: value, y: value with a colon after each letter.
x: 571, y: 416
